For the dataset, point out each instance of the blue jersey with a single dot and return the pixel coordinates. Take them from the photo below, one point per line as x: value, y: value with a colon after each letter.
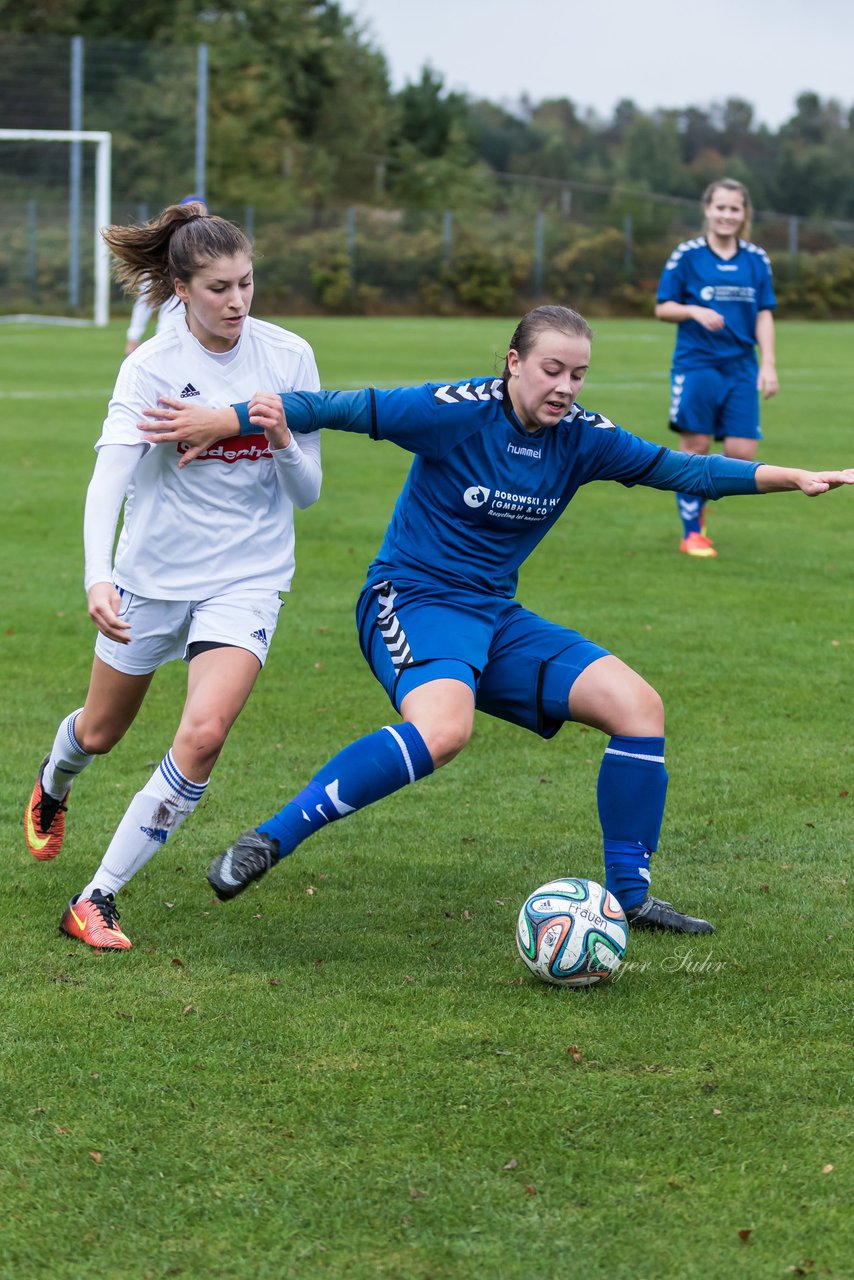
x: 482, y: 492
x: 738, y: 287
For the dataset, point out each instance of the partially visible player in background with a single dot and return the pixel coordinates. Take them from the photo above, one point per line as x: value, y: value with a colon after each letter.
x: 718, y: 289
x: 497, y: 461
x: 203, y: 554
x: 169, y: 312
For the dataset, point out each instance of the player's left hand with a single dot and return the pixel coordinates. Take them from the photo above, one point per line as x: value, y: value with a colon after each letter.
x: 176, y: 422
x: 767, y: 383
x: 814, y: 482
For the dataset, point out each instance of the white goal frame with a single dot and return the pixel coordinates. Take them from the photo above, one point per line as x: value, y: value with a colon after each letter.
x: 103, y: 161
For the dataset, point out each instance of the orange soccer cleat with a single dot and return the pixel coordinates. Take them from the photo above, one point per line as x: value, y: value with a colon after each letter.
x: 697, y: 544
x: 44, y: 821
x: 94, y: 920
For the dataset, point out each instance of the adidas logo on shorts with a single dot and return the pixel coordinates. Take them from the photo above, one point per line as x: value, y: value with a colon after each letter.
x: 261, y: 635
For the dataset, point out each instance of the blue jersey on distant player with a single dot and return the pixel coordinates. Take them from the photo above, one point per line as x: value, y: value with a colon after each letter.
x: 482, y: 491
x: 738, y: 287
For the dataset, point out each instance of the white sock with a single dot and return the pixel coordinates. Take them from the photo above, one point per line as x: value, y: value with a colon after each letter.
x: 67, y: 759
x: 153, y: 815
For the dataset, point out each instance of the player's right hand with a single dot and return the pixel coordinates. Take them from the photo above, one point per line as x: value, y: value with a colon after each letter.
x: 104, y: 603
x: 708, y: 318
x: 173, y: 421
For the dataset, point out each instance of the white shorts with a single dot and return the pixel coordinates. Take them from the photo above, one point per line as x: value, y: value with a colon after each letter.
x: 162, y: 630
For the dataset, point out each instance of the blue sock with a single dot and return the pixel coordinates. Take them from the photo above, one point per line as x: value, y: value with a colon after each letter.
x: 365, y: 771
x: 631, y: 793
x: 691, y: 512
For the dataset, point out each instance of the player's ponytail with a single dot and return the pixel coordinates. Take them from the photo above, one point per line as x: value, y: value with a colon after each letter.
x: 173, y: 246
x: 535, y: 322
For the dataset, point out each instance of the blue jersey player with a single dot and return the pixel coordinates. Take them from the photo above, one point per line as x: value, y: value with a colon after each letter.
x: 497, y: 460
x: 718, y: 289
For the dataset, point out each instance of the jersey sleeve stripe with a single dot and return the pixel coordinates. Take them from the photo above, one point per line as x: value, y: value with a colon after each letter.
x: 372, y: 400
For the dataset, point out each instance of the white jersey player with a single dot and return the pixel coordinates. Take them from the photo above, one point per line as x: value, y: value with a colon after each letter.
x: 168, y: 314
x: 204, y: 550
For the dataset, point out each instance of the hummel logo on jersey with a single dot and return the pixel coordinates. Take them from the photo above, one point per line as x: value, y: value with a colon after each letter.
x: 188, y: 391
x: 261, y: 635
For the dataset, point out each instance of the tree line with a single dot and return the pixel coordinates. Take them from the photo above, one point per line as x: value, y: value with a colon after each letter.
x: 301, y: 112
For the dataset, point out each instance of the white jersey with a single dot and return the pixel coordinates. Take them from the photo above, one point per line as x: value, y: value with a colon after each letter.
x: 225, y: 520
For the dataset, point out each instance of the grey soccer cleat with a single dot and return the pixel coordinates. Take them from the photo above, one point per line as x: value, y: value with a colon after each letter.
x: 251, y: 855
x: 655, y: 914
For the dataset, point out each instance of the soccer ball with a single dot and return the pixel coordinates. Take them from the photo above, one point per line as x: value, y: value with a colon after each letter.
x: 572, y: 933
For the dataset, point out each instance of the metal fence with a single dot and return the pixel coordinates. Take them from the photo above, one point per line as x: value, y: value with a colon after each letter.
x: 542, y: 239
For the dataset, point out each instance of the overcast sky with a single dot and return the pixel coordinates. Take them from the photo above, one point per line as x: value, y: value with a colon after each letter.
x: 661, y: 53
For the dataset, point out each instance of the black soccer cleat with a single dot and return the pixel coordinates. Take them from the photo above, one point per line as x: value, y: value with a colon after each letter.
x: 248, y: 859
x: 655, y: 914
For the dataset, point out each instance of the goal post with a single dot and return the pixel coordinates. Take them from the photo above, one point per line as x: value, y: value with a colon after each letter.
x: 103, y: 160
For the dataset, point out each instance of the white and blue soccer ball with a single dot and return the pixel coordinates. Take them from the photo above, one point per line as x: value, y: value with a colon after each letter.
x: 572, y: 933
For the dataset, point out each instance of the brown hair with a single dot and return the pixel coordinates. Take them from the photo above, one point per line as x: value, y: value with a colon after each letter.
x: 730, y: 184
x: 173, y: 246
x: 535, y: 322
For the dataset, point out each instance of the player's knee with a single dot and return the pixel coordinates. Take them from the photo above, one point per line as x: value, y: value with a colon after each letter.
x: 99, y: 738
x: 445, y: 739
x: 640, y: 711
x: 632, y: 709
x: 202, y: 740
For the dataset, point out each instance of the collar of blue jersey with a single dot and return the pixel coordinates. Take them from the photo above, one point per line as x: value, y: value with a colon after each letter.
x: 510, y: 415
x: 738, y: 247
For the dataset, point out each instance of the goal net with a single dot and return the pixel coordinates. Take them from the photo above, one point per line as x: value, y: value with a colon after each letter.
x: 54, y: 200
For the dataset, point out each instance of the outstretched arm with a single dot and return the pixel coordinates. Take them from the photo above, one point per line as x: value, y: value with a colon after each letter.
x: 172, y: 421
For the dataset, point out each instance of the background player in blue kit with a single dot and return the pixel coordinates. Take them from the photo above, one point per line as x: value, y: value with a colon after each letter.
x: 717, y: 288
x: 497, y: 460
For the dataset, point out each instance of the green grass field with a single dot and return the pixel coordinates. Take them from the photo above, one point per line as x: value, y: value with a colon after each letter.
x: 346, y: 1071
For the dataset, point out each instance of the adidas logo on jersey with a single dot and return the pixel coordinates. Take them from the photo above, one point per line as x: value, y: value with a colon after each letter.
x: 189, y: 390
x: 261, y: 635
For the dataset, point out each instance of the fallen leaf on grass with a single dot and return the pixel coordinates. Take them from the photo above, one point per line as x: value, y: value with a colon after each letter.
x: 121, y: 1013
x: 716, y: 1111
x: 828, y: 1168
x: 530, y: 1191
x: 575, y: 1053
x: 96, y: 1156
x: 744, y: 1234
x: 188, y: 1008
x: 511, y: 1164
x: 177, y: 964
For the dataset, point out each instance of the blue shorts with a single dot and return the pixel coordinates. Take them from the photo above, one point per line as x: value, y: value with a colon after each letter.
x: 519, y: 666
x: 713, y: 403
